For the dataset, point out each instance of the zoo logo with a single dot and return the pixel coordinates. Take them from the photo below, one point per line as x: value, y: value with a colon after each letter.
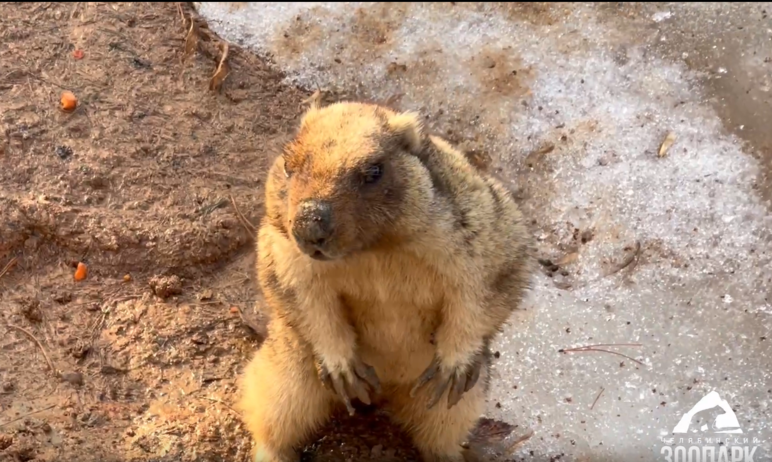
x: 714, y: 415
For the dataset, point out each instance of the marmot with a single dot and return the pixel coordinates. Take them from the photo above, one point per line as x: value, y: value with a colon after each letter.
x: 388, y: 262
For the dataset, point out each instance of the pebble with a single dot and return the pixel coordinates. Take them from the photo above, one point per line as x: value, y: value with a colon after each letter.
x: 75, y: 378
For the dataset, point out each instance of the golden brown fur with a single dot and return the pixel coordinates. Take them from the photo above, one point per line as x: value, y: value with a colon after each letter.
x: 415, y: 272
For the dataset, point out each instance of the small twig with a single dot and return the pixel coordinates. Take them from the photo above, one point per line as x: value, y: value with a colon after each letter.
x: 247, y: 225
x: 597, y: 398
x: 8, y: 266
x: 27, y: 415
x: 34, y: 339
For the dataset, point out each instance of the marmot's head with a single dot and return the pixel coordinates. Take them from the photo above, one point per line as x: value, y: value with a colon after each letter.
x: 351, y: 174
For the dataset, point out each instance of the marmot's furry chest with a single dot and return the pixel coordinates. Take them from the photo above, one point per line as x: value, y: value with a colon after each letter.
x: 394, y: 303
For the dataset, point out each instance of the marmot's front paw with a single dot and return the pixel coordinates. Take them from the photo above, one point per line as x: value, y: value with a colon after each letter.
x: 460, y: 378
x: 353, y: 379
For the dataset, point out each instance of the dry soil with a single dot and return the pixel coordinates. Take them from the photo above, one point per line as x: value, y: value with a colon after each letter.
x: 141, y: 183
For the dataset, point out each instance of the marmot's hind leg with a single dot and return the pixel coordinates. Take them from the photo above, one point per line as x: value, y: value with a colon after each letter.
x: 282, y: 400
x: 439, y: 432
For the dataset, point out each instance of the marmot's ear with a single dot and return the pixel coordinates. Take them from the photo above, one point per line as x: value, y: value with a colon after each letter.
x: 407, y: 127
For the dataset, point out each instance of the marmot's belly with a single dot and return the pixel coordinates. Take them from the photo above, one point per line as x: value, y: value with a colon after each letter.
x: 396, y: 340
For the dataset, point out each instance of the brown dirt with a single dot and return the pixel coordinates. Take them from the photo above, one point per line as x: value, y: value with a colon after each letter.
x: 137, y: 184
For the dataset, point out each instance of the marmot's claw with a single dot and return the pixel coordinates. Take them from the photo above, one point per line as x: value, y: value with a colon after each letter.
x: 459, y: 379
x: 353, y: 382
x: 367, y: 373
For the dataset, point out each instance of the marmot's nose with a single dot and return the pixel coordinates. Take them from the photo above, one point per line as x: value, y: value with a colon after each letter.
x: 313, y: 223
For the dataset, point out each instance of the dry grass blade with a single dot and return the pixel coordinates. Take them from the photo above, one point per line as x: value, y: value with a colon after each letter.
x: 315, y: 99
x: 519, y: 441
x: 597, y: 398
x: 191, y: 40
x: 568, y: 259
x: 260, y: 331
x: 545, y: 149
x: 222, y: 70
x: 182, y: 14
x: 666, y: 143
x: 631, y: 258
x: 586, y: 347
x: 603, y: 350
x: 219, y: 401
x: 37, y: 342
x: 8, y: 266
x: 616, y: 353
x: 393, y: 99
x: 22, y: 417
x: 249, y: 226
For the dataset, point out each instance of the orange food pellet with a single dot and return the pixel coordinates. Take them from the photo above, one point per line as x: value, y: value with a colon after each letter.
x: 69, y: 102
x: 234, y: 310
x: 77, y: 54
x: 126, y: 277
x: 81, y: 271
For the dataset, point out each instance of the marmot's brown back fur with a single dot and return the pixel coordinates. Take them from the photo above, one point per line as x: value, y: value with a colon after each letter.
x: 388, y: 262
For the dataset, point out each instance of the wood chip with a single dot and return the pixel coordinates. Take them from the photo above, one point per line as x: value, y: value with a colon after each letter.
x: 568, y: 259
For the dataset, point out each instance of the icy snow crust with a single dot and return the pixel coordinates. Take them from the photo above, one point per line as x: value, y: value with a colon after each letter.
x: 507, y: 81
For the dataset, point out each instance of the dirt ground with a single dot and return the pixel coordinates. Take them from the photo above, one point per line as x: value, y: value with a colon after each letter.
x: 138, y: 361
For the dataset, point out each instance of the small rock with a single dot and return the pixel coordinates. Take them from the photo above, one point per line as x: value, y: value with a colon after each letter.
x: 63, y: 298
x: 30, y: 309
x: 24, y: 453
x: 32, y: 243
x: 199, y: 338
x: 75, y: 378
x: 46, y: 427
x: 8, y: 387
x: 140, y: 63
x: 166, y: 286
x: 5, y: 442
x: 205, y: 295
x: 63, y: 152
x: 80, y: 350
x: 395, y: 67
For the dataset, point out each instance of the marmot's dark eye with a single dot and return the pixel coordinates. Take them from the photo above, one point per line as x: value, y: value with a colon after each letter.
x: 373, y: 173
x: 287, y: 171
